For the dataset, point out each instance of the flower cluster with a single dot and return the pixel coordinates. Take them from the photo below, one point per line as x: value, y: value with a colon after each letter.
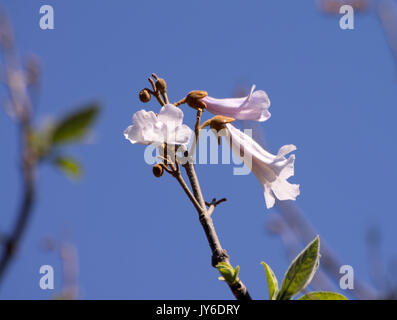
x: 272, y: 171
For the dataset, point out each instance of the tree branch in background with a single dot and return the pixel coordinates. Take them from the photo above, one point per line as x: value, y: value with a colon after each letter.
x: 36, y: 145
x: 67, y: 253
x: 278, y: 226
x: 330, y: 262
x: 21, y: 108
x: 386, y: 13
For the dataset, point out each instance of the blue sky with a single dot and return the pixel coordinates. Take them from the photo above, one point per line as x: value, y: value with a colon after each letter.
x: 333, y: 95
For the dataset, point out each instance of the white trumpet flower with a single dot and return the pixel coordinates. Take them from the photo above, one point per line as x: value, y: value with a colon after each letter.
x: 272, y: 171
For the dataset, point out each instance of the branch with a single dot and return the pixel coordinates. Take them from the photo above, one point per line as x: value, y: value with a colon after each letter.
x: 20, y: 101
x: 218, y: 253
x: 12, y: 243
x: 211, y: 205
x: 184, y: 186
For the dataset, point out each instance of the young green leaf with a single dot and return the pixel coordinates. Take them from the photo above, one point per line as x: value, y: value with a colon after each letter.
x: 229, y: 274
x: 69, y: 166
x: 235, y: 277
x: 75, y: 125
x: 301, y: 271
x: 272, y: 282
x: 323, y: 295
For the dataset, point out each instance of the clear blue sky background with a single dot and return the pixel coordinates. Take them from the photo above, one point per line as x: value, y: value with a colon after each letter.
x: 333, y: 95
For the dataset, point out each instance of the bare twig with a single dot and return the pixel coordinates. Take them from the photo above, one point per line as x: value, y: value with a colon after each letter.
x: 185, y: 188
x: 211, y: 205
x: 156, y: 92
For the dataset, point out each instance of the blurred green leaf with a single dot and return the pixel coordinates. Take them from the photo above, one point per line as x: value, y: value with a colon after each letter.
x: 75, y: 125
x: 301, y: 271
x: 69, y: 166
x: 323, y: 295
x: 229, y: 274
x: 272, y: 282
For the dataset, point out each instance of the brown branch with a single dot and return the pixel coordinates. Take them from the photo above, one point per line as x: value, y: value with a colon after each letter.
x: 211, y: 205
x: 185, y: 188
x: 218, y: 253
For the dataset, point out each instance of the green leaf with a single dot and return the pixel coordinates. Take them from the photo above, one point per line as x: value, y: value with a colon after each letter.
x: 272, y: 282
x: 323, y: 295
x: 69, y: 166
x: 301, y: 271
x: 229, y: 274
x: 75, y: 125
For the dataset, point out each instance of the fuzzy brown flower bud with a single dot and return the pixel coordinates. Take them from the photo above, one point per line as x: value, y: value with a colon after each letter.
x: 144, y: 95
x: 158, y: 170
x: 193, y: 99
x: 218, y: 122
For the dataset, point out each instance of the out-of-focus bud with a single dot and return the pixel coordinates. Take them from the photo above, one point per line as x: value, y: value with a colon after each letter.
x: 193, y: 99
x: 144, y: 95
x: 158, y: 170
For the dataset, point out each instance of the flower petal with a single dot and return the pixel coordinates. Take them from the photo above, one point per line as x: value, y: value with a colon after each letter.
x: 269, y: 196
x: 183, y: 134
x: 284, y: 150
x: 134, y: 134
x: 171, y: 116
x: 154, y: 133
x: 253, y: 107
x: 143, y: 118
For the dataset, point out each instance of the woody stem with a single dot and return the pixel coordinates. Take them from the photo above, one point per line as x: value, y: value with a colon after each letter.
x: 218, y: 253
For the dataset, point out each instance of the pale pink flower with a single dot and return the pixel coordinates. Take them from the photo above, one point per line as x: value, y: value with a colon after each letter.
x: 271, y: 170
x: 253, y: 107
